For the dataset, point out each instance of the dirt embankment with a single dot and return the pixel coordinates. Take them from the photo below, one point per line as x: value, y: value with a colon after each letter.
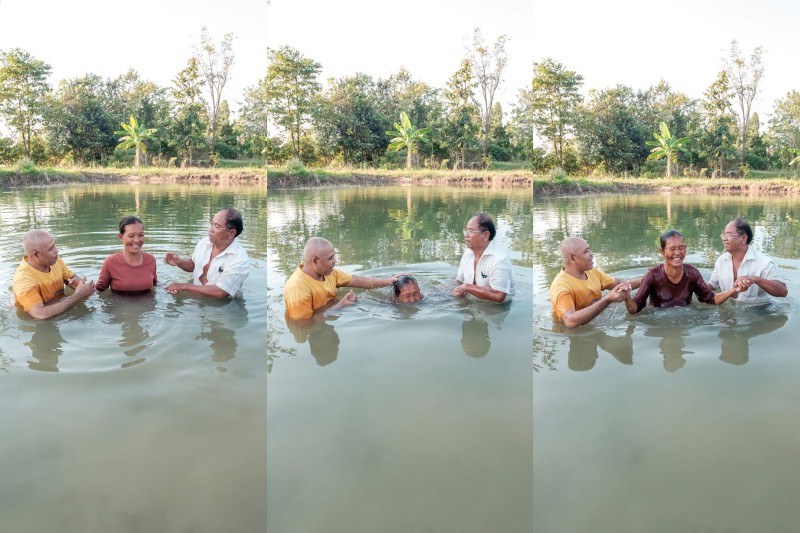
x: 285, y: 181
x: 210, y: 177
x: 750, y: 188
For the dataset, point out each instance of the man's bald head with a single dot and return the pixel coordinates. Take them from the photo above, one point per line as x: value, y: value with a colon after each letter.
x: 572, y: 245
x: 35, y: 239
x: 316, y: 247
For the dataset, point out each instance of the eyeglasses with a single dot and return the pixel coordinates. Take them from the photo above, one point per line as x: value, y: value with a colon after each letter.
x: 470, y: 230
x: 217, y: 227
x: 730, y: 235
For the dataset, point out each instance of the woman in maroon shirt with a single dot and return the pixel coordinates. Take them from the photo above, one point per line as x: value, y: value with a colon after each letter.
x: 673, y: 283
x: 130, y: 271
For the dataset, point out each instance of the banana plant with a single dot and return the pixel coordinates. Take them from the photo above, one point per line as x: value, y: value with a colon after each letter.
x: 134, y: 136
x: 667, y: 146
x: 407, y: 136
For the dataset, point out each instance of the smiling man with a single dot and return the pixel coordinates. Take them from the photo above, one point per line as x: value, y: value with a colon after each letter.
x: 577, y: 291
x: 312, y: 287
x: 39, y: 281
x: 219, y: 263
x: 485, y: 269
x: 754, y: 271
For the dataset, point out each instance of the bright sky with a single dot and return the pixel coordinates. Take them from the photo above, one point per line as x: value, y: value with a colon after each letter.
x: 637, y: 43
x: 620, y: 41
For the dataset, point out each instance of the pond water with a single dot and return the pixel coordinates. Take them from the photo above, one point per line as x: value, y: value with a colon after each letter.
x: 393, y: 417
x: 133, y: 413
x: 672, y: 420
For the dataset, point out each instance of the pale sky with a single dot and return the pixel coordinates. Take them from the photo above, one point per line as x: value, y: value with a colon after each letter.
x: 620, y: 41
x: 637, y: 43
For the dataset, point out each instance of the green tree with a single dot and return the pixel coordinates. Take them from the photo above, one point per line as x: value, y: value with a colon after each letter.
x: 349, y: 123
x: 407, y: 136
x: 784, y: 128
x: 23, y: 93
x: 610, y: 131
x: 134, y: 136
x: 667, y: 146
x: 555, y: 98
x: 189, y: 124
x: 78, y: 122
x: 718, y: 136
x: 214, y: 62
x: 290, y: 88
x: 463, y: 116
x: 744, y: 76
x: 487, y: 65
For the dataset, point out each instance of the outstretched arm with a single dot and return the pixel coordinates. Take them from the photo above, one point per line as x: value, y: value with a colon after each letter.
x: 201, y: 290
x: 572, y: 319
x: 773, y: 287
x: 187, y: 265
x: 483, y: 292
x: 367, y: 282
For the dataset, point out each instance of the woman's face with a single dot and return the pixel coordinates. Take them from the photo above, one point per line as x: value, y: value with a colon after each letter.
x: 133, y: 238
x: 674, y: 251
x: 409, y: 293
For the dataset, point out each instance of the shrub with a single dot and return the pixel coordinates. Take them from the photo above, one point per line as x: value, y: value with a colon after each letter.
x: 295, y: 167
x: 26, y: 166
x: 557, y: 174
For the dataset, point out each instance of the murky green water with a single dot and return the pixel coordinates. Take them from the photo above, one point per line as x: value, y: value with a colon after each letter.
x: 133, y: 413
x: 675, y: 420
x: 400, y: 418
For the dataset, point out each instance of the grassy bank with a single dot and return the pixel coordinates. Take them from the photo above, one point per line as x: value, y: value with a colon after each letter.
x: 284, y: 178
x: 754, y: 185
x: 13, y: 177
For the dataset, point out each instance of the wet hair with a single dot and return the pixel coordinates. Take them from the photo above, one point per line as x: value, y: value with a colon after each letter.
x: 485, y: 223
x: 402, y: 281
x: 743, y: 228
x: 127, y: 221
x: 233, y: 220
x: 669, y: 234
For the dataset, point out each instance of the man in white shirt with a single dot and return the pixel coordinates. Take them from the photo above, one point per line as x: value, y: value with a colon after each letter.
x: 219, y: 263
x: 744, y: 265
x: 485, y: 269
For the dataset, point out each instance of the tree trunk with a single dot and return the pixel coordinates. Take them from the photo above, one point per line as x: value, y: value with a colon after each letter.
x: 408, y: 157
x: 136, y: 159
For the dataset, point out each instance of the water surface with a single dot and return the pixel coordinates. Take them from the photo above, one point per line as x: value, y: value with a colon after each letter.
x: 400, y: 418
x: 140, y: 413
x: 672, y: 420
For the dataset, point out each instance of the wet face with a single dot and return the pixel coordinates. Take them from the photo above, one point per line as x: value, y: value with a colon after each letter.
x: 474, y: 236
x: 674, y: 251
x: 132, y: 238
x: 324, y: 261
x: 409, y: 293
x: 218, y: 232
x: 583, y: 256
x: 45, y: 254
x: 731, y: 240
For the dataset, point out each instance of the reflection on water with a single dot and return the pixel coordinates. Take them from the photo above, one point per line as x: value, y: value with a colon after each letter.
x: 390, y: 406
x: 638, y: 408
x: 126, y: 406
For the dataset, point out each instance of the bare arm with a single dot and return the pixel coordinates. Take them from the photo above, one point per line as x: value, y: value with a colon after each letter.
x: 634, y: 283
x: 211, y: 291
x: 82, y: 290
x: 171, y: 258
x: 773, y: 287
x: 482, y: 292
x: 572, y: 319
x: 365, y: 282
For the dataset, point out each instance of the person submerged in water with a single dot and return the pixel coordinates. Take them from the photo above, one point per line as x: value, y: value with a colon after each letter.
x: 406, y: 289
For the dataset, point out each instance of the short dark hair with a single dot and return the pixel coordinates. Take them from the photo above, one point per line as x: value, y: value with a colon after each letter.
x: 667, y: 235
x: 233, y: 220
x: 127, y: 221
x: 402, y: 281
x: 485, y: 223
x: 743, y: 228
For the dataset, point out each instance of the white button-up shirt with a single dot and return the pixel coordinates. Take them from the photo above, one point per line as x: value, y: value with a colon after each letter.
x: 227, y: 271
x: 493, y: 269
x: 754, y: 264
